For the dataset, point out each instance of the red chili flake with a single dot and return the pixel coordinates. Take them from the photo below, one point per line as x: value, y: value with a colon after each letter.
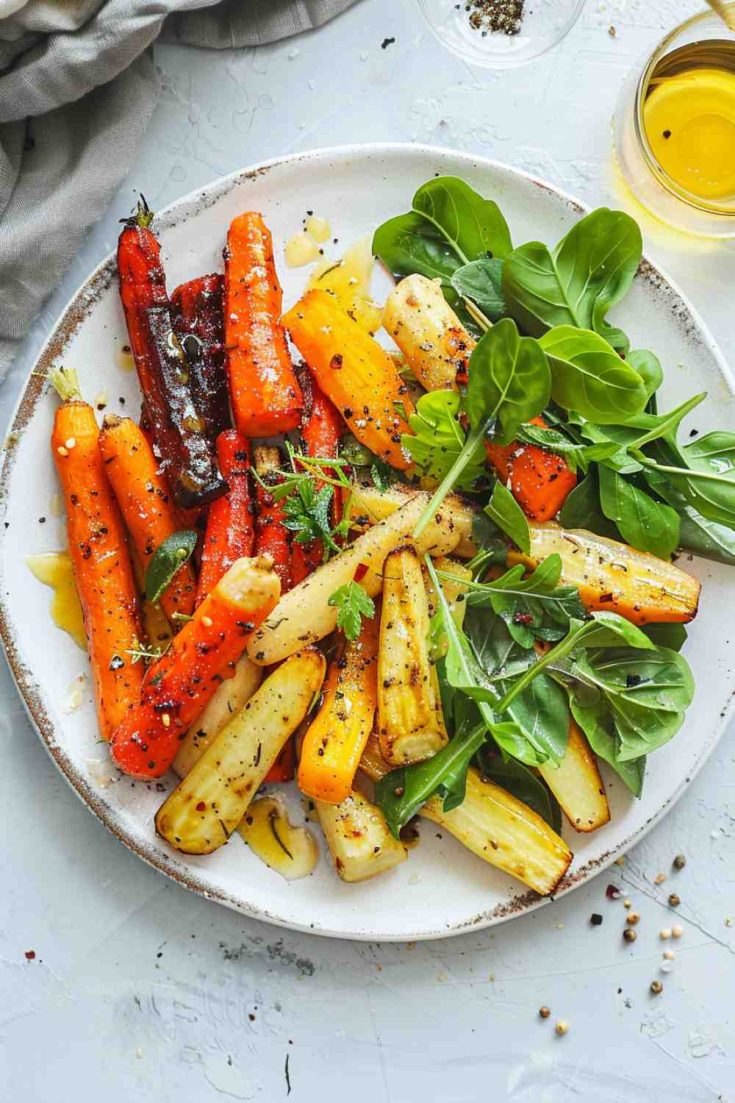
x: 201, y: 807
x: 612, y: 892
x: 360, y: 572
x: 30, y: 955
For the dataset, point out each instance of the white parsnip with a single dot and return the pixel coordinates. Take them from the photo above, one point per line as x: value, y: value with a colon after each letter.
x: 206, y: 807
x: 304, y: 614
x: 410, y: 720
x: 228, y: 700
x: 434, y: 342
x: 358, y: 838
x: 495, y: 826
x: 369, y: 506
x: 454, y: 588
x: 577, y: 785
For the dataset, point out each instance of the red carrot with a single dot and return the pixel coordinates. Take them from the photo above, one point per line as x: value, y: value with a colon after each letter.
x: 230, y: 530
x: 198, y: 309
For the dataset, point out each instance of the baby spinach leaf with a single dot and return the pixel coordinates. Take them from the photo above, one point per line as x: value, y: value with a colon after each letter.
x: 480, y: 281
x: 703, y: 475
x: 448, y: 226
x: 438, y: 439
x: 595, y: 721
x: 589, y: 377
x: 673, y: 636
x: 648, y: 366
x: 518, y: 780
x: 589, y: 271
x: 167, y: 559
x: 697, y: 534
x: 642, y: 521
x: 509, y: 380
x: 581, y: 509
x: 504, y: 511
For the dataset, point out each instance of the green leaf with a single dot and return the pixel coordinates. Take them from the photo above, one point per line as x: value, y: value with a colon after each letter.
x: 576, y: 455
x: 508, y: 380
x: 589, y: 271
x: 353, y: 603
x: 643, y: 522
x: 518, y: 780
x: 648, y: 366
x: 449, y: 226
x: 673, y: 636
x: 589, y: 377
x: 702, y: 474
x: 581, y: 509
x: 481, y: 281
x: 504, y: 511
x: 439, y: 439
x: 595, y: 721
x: 166, y: 560
x: 697, y: 534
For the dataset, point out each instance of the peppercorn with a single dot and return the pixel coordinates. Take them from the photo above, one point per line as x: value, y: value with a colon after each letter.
x: 544, y: 1012
x: 679, y: 861
x: 633, y: 918
x: 656, y: 987
x: 561, y: 1027
x: 674, y: 900
x: 596, y: 919
x: 629, y: 934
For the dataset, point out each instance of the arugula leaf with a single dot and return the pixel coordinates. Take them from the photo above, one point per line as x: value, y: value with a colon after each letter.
x: 353, y: 603
x: 508, y: 383
x: 589, y: 271
x: 517, y: 779
x: 448, y: 226
x: 576, y: 455
x: 504, y: 511
x: 438, y: 439
x: 167, y: 559
x: 596, y: 723
x: 643, y: 522
x: 481, y: 282
x: 589, y: 377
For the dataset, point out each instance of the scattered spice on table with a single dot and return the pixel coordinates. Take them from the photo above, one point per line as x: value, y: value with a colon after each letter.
x: 487, y: 16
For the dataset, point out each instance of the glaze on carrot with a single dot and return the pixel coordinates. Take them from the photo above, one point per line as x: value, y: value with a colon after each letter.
x: 145, y: 503
x: 230, y: 532
x: 264, y: 392
x: 198, y: 312
x: 539, y: 480
x: 103, y: 573
x: 179, y: 685
x: 271, y: 536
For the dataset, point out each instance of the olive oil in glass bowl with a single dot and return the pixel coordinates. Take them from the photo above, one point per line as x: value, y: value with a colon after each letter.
x: 674, y: 129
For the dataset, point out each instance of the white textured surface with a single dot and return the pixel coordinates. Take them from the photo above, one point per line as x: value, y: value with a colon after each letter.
x: 139, y: 987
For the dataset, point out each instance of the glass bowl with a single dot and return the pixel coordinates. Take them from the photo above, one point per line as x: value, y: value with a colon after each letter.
x: 544, y: 24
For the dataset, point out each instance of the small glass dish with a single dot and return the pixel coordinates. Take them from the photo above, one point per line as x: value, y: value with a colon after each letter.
x: 700, y: 38
x: 542, y: 25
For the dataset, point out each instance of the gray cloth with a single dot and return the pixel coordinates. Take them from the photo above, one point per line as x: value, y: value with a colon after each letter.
x: 77, y: 89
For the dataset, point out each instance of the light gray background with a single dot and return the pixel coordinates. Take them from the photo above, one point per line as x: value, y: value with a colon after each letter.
x: 141, y: 990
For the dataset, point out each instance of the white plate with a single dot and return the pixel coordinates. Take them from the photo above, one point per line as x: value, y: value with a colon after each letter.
x: 442, y: 889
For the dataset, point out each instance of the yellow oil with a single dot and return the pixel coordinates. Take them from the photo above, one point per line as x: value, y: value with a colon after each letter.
x: 289, y: 850
x: 301, y: 249
x: 125, y: 359
x: 348, y: 280
x: 689, y: 119
x: 54, y: 569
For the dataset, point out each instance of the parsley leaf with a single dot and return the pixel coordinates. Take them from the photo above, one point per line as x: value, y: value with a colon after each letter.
x: 353, y: 604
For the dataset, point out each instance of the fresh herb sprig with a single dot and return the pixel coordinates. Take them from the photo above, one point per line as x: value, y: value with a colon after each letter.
x: 353, y: 603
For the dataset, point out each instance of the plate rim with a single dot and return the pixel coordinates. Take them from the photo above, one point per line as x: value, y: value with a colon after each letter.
x: 62, y: 331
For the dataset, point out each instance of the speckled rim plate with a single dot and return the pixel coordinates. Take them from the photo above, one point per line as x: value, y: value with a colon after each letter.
x: 442, y: 889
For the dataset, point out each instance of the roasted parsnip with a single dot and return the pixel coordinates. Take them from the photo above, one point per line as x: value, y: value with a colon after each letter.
x: 358, y: 838
x: 453, y: 588
x: 230, y: 697
x: 304, y: 615
x: 289, y: 850
x: 577, y: 785
x: 410, y: 719
x: 428, y: 333
x: 368, y: 506
x: 333, y: 745
x: 495, y: 826
x: 206, y: 807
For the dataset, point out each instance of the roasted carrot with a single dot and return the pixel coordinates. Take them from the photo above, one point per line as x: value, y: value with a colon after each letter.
x: 271, y: 535
x: 355, y: 372
x: 179, y: 430
x: 146, y: 506
x: 103, y: 574
x: 540, y: 481
x: 333, y: 745
x: 179, y: 685
x: 284, y: 768
x: 230, y: 533
x: 198, y: 312
x: 321, y: 429
x: 265, y: 394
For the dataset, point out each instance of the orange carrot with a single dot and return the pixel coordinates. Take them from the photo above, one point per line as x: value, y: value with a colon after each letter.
x: 284, y: 768
x: 271, y: 536
x: 264, y: 392
x: 103, y: 574
x: 355, y: 372
x: 321, y: 429
x: 179, y: 685
x: 146, y: 505
x: 333, y: 745
x: 540, y: 481
x: 230, y: 533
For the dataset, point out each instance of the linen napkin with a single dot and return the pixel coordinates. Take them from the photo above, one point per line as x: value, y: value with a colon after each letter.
x: 77, y: 89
